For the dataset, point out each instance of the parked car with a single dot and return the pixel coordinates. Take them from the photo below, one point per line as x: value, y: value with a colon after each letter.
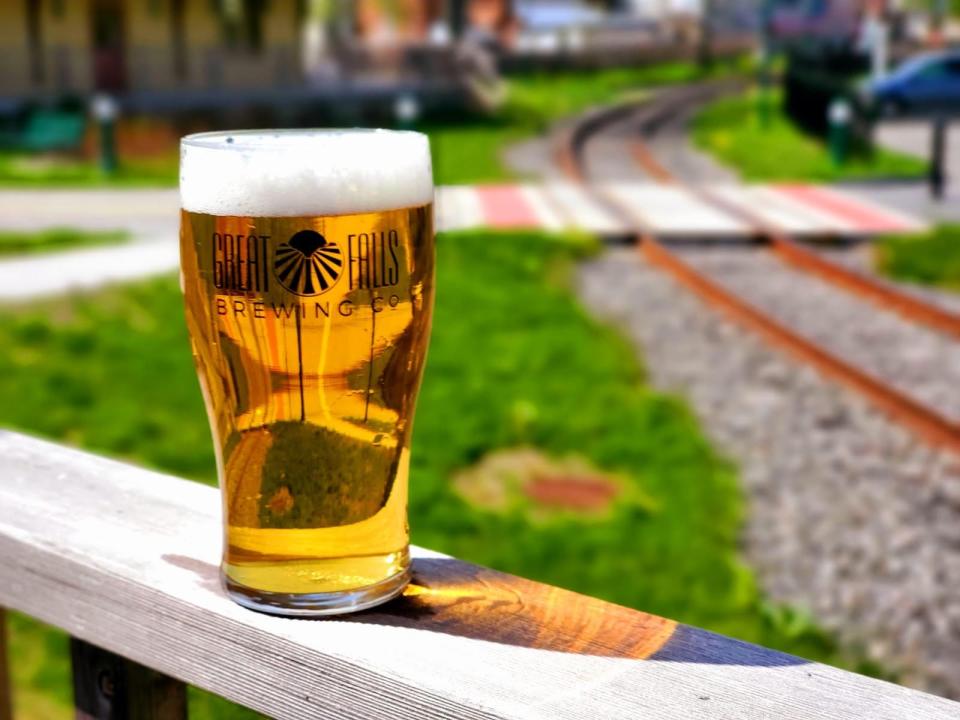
x: 923, y: 84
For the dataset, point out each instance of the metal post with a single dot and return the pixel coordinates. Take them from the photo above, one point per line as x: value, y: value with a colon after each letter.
x: 839, y: 115
x: 705, y: 50
x: 878, y: 38
x: 458, y: 16
x: 766, y: 53
x: 938, y: 151
x: 109, y: 687
x: 104, y: 111
x: 938, y: 18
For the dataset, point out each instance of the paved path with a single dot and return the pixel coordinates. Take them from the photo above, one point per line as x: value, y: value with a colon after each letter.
x: 40, y: 276
x: 148, y: 214
x: 913, y: 196
x: 914, y: 138
x: 668, y: 210
x: 151, y: 216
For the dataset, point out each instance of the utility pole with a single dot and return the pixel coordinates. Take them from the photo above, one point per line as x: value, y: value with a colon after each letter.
x: 938, y: 19
x: 457, y: 14
x: 705, y: 50
x: 875, y: 39
x: 766, y: 60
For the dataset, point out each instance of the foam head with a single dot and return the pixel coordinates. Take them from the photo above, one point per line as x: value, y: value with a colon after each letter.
x: 290, y: 173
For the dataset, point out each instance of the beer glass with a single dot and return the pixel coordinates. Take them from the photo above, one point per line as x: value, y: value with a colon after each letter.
x: 308, y: 270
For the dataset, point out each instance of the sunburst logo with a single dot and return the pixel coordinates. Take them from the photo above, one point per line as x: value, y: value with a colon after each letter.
x: 307, y: 264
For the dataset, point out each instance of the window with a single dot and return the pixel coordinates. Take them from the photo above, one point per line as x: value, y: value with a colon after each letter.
x: 35, y: 41
x: 934, y: 71
x: 242, y: 24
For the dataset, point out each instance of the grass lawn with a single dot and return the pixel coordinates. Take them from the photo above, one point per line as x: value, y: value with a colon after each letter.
x: 469, y: 151
x: 930, y: 258
x: 18, y: 170
x: 18, y: 243
x: 514, y: 361
x: 729, y: 129
x: 466, y: 149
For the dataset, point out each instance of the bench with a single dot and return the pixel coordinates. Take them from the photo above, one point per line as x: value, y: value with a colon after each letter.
x: 125, y: 561
x: 46, y: 131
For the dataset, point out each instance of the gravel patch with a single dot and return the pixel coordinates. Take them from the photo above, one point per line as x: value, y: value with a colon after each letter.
x: 921, y: 363
x: 850, y: 517
x: 607, y: 155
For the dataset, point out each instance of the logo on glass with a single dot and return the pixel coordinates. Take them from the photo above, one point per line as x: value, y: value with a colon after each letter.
x: 307, y: 264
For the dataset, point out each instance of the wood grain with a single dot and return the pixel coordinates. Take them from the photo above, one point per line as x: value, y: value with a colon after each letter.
x: 109, y: 687
x: 127, y: 559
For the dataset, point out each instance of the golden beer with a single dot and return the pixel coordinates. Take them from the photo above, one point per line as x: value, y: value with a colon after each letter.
x: 309, y: 315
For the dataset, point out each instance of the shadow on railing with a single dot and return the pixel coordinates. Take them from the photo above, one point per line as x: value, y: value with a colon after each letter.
x: 457, y: 598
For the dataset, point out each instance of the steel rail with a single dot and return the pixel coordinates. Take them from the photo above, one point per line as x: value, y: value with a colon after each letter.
x: 927, y: 423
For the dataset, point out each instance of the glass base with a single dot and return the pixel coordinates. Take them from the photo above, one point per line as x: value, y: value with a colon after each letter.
x: 305, y: 605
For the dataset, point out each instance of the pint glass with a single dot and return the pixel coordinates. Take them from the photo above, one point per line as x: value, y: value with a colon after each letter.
x: 307, y: 269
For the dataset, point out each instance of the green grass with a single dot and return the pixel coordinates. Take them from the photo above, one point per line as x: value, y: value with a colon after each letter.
x: 18, y: 243
x: 549, y: 96
x: 514, y: 361
x: 20, y: 170
x: 470, y: 150
x: 930, y: 258
x: 730, y: 130
x: 40, y: 662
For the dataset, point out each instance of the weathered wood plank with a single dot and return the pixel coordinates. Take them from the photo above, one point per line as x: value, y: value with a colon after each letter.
x: 109, y: 687
x: 127, y: 559
x: 6, y: 685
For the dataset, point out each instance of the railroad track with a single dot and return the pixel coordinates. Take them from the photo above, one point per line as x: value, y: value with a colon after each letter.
x: 899, y: 360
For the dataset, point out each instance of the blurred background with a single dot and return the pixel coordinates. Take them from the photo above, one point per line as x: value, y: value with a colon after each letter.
x: 586, y: 419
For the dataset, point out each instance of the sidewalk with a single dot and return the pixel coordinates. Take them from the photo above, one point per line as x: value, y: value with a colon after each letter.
x: 152, y: 217
x: 38, y: 276
x: 148, y: 214
x: 913, y: 138
x: 708, y: 211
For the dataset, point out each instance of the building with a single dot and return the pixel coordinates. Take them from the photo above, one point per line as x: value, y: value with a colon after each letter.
x: 57, y: 47
x: 191, y: 51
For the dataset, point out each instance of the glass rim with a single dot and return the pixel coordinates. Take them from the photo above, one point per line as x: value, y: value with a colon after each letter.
x: 224, y: 139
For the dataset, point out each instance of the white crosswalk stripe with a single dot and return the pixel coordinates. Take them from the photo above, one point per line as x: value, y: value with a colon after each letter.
x: 583, y: 211
x: 668, y: 210
x: 778, y: 210
x: 544, y: 208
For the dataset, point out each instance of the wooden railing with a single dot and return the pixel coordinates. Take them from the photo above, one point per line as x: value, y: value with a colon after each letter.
x: 125, y: 560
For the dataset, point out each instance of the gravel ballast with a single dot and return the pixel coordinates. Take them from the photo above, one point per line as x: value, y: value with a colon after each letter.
x: 921, y: 363
x: 851, y: 517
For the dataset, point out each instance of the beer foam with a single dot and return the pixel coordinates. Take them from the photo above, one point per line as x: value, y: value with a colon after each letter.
x: 291, y: 173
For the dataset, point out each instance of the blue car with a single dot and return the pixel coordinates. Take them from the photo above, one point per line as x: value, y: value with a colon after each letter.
x: 923, y: 84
